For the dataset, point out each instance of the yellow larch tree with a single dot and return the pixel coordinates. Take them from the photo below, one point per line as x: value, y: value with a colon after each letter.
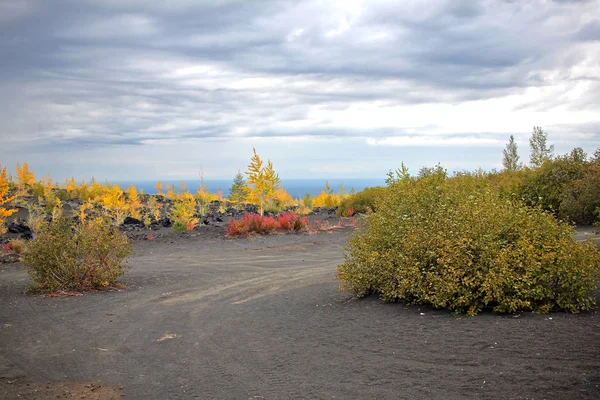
x: 284, y: 199
x: 83, y: 192
x: 326, y: 198
x: 171, y: 193
x: 96, y: 191
x: 159, y: 187
x: 70, y: 185
x: 262, y: 183
x: 4, y: 199
x: 114, y: 201
x: 48, y: 185
x: 183, y: 212
x: 133, y: 202
x: 25, y: 177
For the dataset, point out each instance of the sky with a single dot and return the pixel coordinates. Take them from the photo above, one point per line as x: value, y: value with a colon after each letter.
x: 132, y: 89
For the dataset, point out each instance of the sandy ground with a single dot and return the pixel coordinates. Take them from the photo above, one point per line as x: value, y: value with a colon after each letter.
x: 214, y: 318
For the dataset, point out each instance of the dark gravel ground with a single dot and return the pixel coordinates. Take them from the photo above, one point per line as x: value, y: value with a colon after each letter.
x: 208, y: 317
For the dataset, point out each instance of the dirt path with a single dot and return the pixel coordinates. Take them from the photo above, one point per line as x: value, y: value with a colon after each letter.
x: 263, y: 319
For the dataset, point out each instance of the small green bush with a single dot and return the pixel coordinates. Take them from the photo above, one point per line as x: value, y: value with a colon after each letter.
x: 179, y: 226
x: 82, y: 257
x: 458, y: 244
x: 360, y: 202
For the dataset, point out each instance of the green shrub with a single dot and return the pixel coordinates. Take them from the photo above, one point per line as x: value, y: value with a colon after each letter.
x: 507, y: 183
x: 581, y: 197
x: 179, y: 226
x: 458, y: 244
x: 360, y: 202
x: 273, y: 209
x: 82, y: 257
x: 545, y: 186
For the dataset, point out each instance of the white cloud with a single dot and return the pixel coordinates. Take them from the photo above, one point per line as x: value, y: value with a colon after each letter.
x: 433, y: 141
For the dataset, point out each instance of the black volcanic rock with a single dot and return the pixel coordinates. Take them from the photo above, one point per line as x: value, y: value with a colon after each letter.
x: 166, y: 222
x: 21, y: 229
x: 133, y: 221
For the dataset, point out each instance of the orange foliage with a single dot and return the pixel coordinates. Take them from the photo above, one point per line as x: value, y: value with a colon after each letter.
x: 4, y: 199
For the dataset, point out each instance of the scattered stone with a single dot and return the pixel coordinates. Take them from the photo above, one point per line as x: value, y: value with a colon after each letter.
x: 9, y: 258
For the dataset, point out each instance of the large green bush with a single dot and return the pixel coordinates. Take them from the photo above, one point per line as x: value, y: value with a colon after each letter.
x: 458, y: 244
x: 360, y: 202
x: 86, y: 256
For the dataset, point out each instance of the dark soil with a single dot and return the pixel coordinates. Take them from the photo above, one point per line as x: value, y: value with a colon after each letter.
x: 209, y: 317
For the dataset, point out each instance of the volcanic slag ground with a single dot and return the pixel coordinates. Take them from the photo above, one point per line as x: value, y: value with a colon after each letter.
x: 208, y: 317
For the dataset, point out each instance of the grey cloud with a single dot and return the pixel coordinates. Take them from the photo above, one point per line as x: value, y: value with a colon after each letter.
x: 113, y: 72
x: 590, y: 31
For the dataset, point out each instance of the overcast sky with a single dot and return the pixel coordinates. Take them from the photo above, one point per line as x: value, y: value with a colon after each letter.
x: 132, y: 89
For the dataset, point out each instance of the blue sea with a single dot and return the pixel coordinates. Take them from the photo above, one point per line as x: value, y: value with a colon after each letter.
x: 295, y: 187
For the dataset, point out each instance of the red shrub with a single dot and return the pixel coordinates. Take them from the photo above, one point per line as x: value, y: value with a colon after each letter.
x: 317, y: 224
x: 291, y: 222
x: 251, y: 223
x: 262, y: 224
x: 254, y: 223
x: 237, y: 227
x: 322, y: 226
x: 349, y: 212
x: 7, y: 247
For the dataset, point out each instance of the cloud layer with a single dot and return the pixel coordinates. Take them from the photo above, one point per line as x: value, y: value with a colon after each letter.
x: 136, y: 89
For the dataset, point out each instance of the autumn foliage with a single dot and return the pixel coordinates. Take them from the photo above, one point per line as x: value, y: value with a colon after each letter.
x: 5, y: 198
x: 260, y: 224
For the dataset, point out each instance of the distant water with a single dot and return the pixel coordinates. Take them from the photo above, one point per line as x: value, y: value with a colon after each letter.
x: 295, y: 187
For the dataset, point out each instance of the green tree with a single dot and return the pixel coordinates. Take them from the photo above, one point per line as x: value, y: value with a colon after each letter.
x: 400, y: 174
x: 539, y: 150
x: 307, y: 200
x: 238, y: 192
x: 545, y: 186
x: 510, y: 161
x: 328, y: 188
x: 436, y: 170
x: 262, y: 182
x: 596, y: 156
x: 578, y: 155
